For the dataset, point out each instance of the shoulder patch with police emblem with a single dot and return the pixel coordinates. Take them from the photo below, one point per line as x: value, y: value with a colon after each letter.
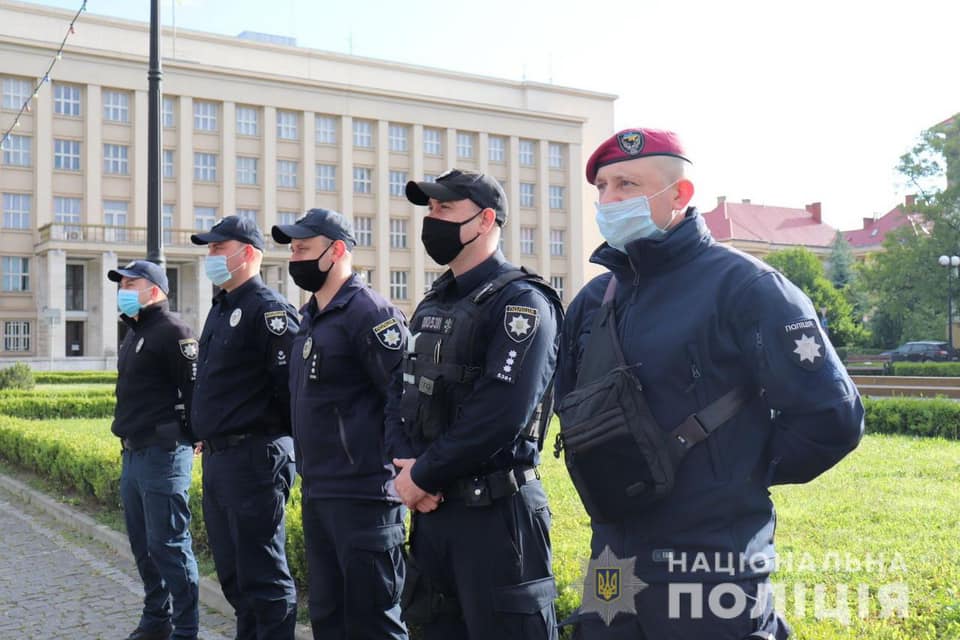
x: 630, y: 142
x: 389, y: 334
x: 520, y: 322
x: 276, y: 322
x: 803, y: 342
x: 189, y: 348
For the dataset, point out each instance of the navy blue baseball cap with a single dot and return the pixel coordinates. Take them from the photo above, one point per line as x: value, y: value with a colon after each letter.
x: 141, y: 269
x: 316, y: 222
x: 458, y: 184
x: 232, y: 228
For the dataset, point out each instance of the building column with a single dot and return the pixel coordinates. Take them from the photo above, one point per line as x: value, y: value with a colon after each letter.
x: 417, y: 215
x: 93, y: 154
x: 483, y: 151
x: 183, y: 217
x: 450, y: 149
x: 269, y: 166
x: 345, y: 168
x: 52, y: 309
x: 308, y: 162
x: 138, y: 160
x: 381, y: 176
x: 576, y: 221
x: 104, y: 316
x: 203, y: 294
x: 543, y: 209
x: 512, y: 241
x: 43, y: 158
x: 228, y: 164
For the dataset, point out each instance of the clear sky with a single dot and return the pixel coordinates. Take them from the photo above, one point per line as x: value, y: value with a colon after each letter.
x: 785, y: 103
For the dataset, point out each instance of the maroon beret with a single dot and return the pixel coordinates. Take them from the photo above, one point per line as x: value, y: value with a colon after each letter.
x: 634, y: 143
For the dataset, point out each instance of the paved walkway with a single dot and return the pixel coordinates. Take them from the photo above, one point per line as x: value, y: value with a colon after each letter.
x: 58, y: 583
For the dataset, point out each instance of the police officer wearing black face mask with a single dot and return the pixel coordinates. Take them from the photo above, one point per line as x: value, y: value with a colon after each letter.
x: 464, y: 424
x: 348, y: 348
x: 156, y: 367
x: 242, y: 413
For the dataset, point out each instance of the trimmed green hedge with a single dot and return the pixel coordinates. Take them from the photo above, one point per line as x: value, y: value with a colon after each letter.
x: 936, y: 369
x: 38, y: 406
x: 935, y: 417
x: 74, y: 377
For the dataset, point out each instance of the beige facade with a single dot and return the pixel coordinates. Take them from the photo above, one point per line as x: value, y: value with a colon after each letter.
x: 261, y: 130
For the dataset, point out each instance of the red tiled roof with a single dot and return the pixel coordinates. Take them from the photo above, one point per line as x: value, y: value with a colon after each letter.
x: 777, y: 225
x: 875, y: 230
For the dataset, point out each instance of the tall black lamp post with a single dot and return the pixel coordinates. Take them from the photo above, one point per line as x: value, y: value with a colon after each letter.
x: 154, y: 236
x: 951, y: 263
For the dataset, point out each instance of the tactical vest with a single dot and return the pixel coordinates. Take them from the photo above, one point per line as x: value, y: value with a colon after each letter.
x: 443, y: 357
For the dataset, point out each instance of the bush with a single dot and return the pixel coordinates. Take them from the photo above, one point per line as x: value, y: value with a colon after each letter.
x: 941, y: 369
x: 936, y: 417
x: 74, y: 377
x: 37, y: 406
x: 17, y: 376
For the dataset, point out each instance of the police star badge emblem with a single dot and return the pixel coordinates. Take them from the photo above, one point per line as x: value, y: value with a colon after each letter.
x: 388, y: 334
x: 803, y: 342
x: 235, y: 317
x: 189, y: 348
x: 276, y: 322
x: 610, y: 586
x: 631, y: 142
x: 520, y: 322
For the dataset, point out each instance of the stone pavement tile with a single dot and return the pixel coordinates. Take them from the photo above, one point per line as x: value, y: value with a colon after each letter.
x: 54, y: 583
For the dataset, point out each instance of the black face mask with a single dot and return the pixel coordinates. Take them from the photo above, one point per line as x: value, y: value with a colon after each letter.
x: 441, y: 238
x: 307, y: 274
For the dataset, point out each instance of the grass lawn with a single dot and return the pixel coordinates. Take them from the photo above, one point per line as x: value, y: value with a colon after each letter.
x: 891, y: 507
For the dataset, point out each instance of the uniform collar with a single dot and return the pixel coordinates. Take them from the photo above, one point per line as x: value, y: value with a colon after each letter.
x: 344, y: 294
x: 232, y: 298
x: 147, y: 314
x: 463, y: 284
x: 646, y: 257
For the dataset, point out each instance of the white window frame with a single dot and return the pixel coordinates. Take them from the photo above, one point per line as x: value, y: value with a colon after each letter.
x: 18, y: 151
x: 287, y: 171
x: 248, y: 121
x: 557, y: 283
x: 558, y: 196
x: 66, y: 154
x: 398, y: 284
x: 287, y: 217
x: 326, y: 129
x: 168, y: 164
x: 68, y: 212
x: 363, y: 180
x: 168, y: 116
x: 528, y: 243
x: 116, y: 159
x: 363, y: 230
x: 204, y: 166
x: 16, y: 210
x: 115, y: 216
x: 527, y: 153
x: 288, y: 125
x: 432, y: 142
x: 248, y: 214
x: 16, y: 274
x: 167, y: 213
x: 497, y: 149
x: 558, y: 243
x: 15, y: 91
x: 528, y: 194
x: 248, y: 169
x: 66, y: 99
x: 16, y: 336
x: 204, y: 217
x: 205, y: 115
x: 555, y: 155
x: 326, y: 177
x: 398, y: 233
x: 464, y: 145
x: 116, y: 106
x: 398, y: 184
x: 363, y: 134
x: 398, y: 136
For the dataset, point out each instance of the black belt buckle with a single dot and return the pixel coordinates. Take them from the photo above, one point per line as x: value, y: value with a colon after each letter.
x: 477, y: 492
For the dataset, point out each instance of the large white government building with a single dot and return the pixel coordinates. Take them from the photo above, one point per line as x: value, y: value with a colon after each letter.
x: 256, y: 129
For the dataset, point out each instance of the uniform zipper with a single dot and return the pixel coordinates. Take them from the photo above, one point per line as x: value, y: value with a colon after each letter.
x: 343, y: 434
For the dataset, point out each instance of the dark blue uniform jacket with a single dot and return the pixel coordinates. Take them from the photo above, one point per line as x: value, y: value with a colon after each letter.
x: 486, y: 435
x: 700, y: 318
x: 343, y: 360
x: 241, y: 382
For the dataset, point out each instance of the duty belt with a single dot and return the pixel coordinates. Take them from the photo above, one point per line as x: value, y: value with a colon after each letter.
x: 482, y: 490
x: 152, y: 439
x: 219, y: 443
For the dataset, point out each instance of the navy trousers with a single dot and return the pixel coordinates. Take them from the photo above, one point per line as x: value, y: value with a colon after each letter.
x: 355, y: 560
x: 495, y: 560
x: 154, y: 490
x: 245, y: 491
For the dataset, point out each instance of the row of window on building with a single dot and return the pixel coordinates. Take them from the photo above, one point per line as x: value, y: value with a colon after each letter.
x: 206, y: 119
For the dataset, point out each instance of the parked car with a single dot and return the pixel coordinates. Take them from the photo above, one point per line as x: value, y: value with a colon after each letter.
x: 922, y: 351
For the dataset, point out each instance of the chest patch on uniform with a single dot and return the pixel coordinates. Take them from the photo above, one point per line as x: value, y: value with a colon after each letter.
x: 235, y: 317
x: 436, y: 324
x: 276, y: 322
x: 139, y: 345
x: 520, y: 323
x: 388, y: 334
x: 804, y: 343
x: 189, y: 349
x: 307, y: 347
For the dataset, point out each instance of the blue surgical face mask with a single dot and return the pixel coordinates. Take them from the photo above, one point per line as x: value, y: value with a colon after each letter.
x: 217, y: 269
x: 627, y: 220
x: 128, y: 301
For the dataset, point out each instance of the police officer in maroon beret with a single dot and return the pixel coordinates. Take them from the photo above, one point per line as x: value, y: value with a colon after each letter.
x: 691, y: 378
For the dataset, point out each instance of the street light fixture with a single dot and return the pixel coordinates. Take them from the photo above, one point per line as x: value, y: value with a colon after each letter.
x: 951, y: 263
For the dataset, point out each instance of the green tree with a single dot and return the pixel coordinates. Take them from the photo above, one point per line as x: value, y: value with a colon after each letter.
x: 803, y: 268
x: 841, y: 262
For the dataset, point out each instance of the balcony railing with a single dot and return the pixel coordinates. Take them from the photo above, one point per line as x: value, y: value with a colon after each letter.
x: 128, y: 236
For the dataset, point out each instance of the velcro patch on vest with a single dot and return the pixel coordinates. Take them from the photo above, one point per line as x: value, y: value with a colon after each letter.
x: 389, y: 335
x: 437, y: 324
x: 189, y: 348
x: 276, y: 322
x: 520, y: 322
x: 804, y: 343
